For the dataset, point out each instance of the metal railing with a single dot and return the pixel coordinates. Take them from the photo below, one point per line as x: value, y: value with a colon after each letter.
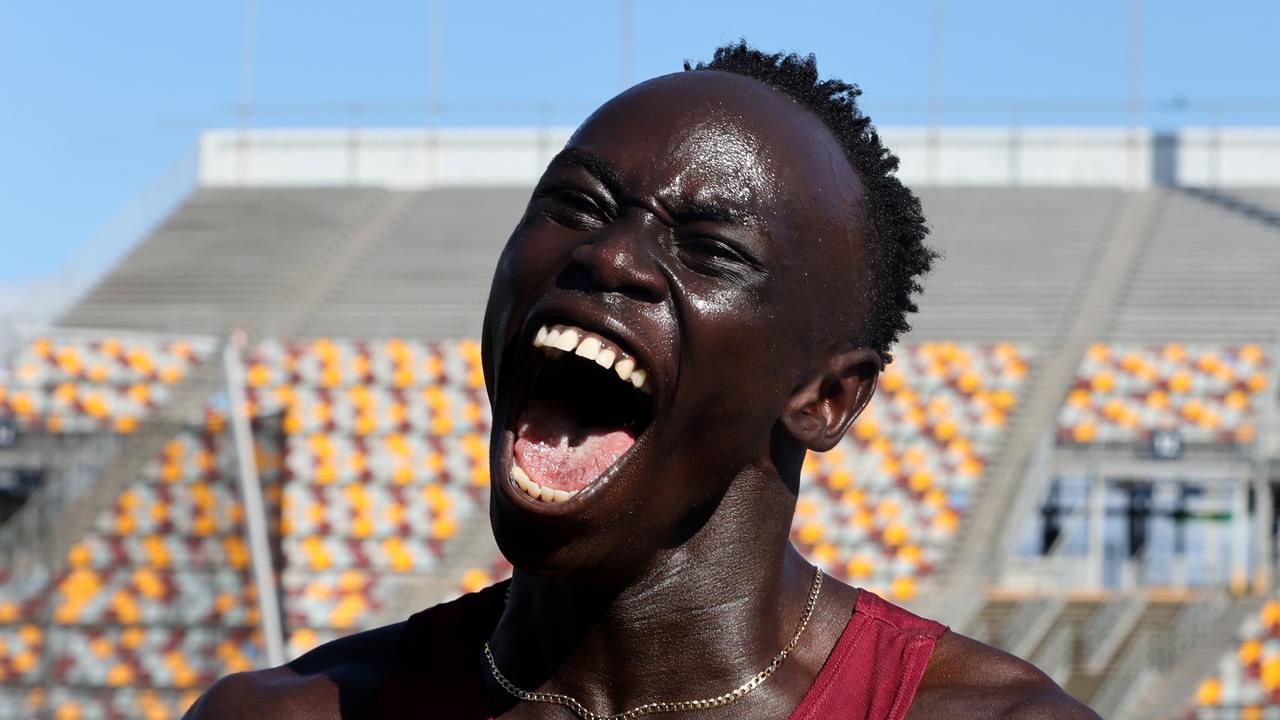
x: 1057, y: 655
x: 1107, y: 629
x: 1129, y: 678
x: 1028, y: 624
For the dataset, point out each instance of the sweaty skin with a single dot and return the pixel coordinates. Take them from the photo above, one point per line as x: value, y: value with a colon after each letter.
x: 715, y: 227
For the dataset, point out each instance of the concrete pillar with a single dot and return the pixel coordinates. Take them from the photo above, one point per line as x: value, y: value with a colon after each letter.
x: 1264, y: 557
x: 1240, y: 536
x: 1097, y: 526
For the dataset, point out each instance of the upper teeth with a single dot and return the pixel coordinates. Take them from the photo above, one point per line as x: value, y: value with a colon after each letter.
x: 592, y: 347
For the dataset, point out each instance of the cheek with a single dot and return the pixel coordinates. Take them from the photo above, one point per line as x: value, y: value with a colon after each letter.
x: 742, y: 334
x: 736, y: 368
x: 527, y: 262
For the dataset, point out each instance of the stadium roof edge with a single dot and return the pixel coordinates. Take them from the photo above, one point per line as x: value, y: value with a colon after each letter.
x: 991, y: 156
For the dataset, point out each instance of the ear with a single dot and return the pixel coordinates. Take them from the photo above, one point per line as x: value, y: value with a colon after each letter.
x: 820, y: 411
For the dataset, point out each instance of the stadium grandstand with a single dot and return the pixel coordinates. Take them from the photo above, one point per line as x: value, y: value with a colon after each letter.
x: 265, y: 425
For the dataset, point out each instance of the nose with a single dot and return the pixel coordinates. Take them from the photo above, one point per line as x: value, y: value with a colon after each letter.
x: 620, y: 258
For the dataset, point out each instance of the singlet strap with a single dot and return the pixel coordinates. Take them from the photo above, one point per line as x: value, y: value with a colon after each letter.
x: 876, y: 666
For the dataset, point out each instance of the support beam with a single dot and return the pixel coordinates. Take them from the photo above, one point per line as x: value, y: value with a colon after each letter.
x: 1097, y: 530
x: 1263, y: 519
x: 1240, y: 536
x: 255, y: 516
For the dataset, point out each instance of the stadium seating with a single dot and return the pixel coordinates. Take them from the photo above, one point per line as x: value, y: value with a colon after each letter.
x: 382, y: 459
x: 1015, y: 260
x: 1206, y: 273
x: 386, y: 455
x: 1208, y: 393
x: 229, y: 258
x: 881, y: 509
x: 78, y: 384
x: 157, y: 600
x: 1247, y: 684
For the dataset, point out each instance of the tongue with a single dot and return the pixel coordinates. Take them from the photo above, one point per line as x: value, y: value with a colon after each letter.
x: 556, y: 452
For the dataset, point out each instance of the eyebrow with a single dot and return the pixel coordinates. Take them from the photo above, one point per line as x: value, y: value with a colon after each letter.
x: 705, y: 210
x: 596, y: 165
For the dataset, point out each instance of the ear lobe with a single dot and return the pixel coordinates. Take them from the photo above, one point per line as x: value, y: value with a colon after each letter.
x: 821, y: 410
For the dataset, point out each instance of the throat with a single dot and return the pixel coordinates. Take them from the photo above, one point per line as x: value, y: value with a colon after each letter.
x: 662, y: 640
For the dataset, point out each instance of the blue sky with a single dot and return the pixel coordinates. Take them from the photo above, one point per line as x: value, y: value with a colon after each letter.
x: 102, y: 98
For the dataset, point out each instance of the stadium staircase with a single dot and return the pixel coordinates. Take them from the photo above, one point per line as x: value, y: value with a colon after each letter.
x: 428, y: 275
x: 1134, y: 655
x: 988, y: 535
x: 1172, y: 693
x: 326, y: 277
x: 228, y: 258
x: 94, y: 474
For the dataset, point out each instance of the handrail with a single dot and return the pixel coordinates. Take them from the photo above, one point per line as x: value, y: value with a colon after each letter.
x: 1192, y: 618
x: 1028, y: 624
x: 1106, y: 630
x: 1056, y: 657
x: 1128, y: 679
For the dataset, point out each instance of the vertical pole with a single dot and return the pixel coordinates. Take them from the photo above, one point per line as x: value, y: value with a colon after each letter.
x: 935, y: 93
x: 435, y: 53
x: 255, y: 518
x: 1214, y: 146
x: 246, y: 93
x: 626, y: 41
x: 1135, y: 91
x: 353, y: 144
x: 1015, y: 145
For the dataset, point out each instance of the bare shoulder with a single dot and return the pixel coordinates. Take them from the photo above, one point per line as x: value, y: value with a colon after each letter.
x: 337, y: 680
x: 969, y: 679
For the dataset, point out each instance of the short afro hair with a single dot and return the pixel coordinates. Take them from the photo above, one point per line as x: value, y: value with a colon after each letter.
x: 898, y: 256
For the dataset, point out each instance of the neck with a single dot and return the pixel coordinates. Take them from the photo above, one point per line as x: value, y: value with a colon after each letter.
x: 698, y: 621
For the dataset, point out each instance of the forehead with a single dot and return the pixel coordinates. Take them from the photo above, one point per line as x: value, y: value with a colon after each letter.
x: 717, y: 137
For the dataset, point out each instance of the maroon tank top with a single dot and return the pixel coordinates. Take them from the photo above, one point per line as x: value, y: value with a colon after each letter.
x: 872, y: 673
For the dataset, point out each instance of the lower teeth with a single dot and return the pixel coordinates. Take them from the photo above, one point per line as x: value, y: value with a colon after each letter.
x: 533, y: 489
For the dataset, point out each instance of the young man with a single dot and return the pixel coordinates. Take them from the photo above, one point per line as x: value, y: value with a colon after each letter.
x: 705, y: 285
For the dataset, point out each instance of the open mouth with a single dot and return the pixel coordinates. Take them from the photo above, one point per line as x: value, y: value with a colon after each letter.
x: 588, y: 401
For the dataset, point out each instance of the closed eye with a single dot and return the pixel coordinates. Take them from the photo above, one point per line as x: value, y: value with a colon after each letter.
x: 573, y: 208
x: 713, y: 256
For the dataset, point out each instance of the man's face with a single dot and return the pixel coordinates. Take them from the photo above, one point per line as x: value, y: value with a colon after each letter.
x: 681, y: 267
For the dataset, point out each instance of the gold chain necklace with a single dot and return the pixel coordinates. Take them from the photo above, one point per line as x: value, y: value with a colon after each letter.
x: 734, y: 695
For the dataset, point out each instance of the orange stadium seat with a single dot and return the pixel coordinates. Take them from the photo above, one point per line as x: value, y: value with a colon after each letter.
x: 1123, y: 393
